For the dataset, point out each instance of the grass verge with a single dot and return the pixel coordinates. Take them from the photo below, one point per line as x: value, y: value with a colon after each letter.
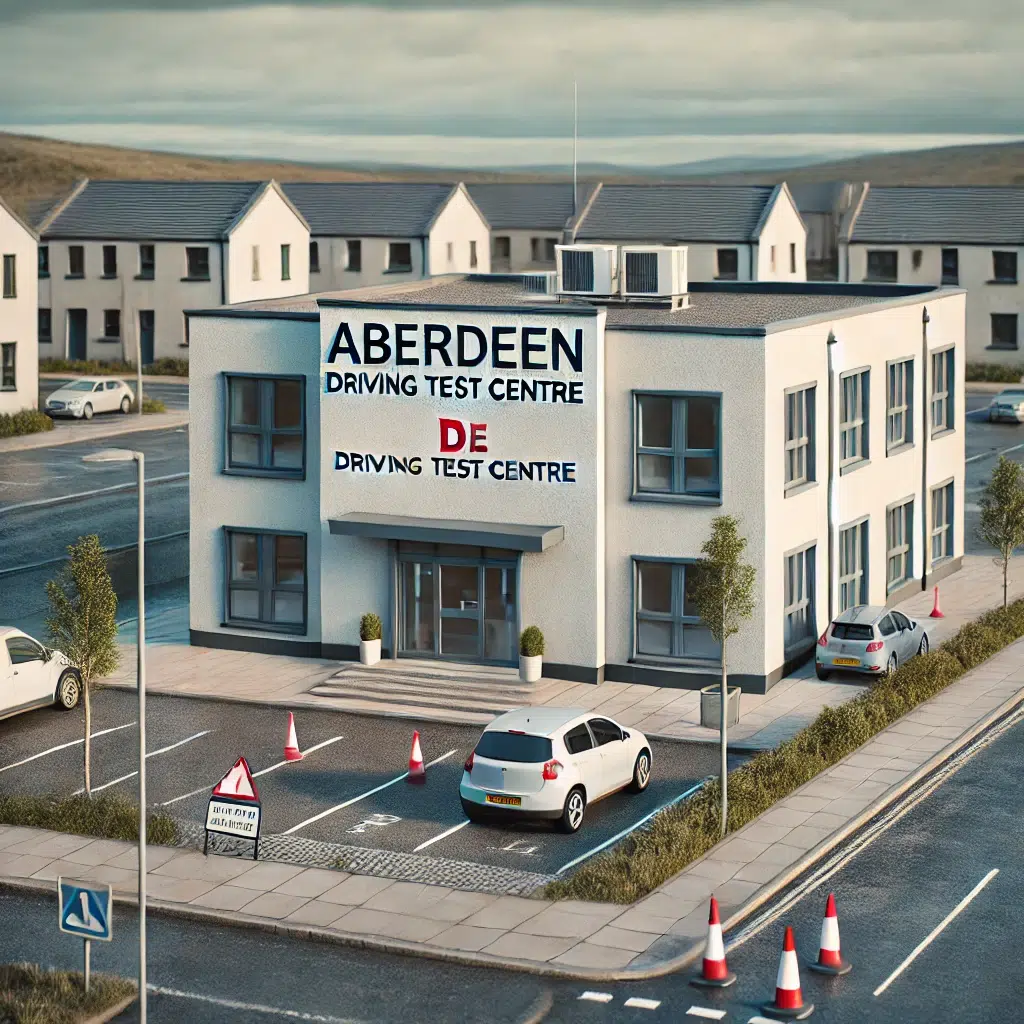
x: 161, y: 368
x: 29, y: 994
x: 994, y: 373
x: 106, y: 817
x: 149, y: 405
x: 682, y: 834
x: 28, y: 421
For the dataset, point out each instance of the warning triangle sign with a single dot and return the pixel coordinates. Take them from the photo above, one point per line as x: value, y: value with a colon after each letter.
x: 237, y: 783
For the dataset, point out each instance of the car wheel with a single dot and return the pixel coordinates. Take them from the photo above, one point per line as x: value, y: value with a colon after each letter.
x: 87, y: 411
x: 126, y: 405
x: 573, y: 811
x: 69, y: 690
x: 890, y: 668
x: 923, y: 649
x: 822, y: 673
x: 641, y: 772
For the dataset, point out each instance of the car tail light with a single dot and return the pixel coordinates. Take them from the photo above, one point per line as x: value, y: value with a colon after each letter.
x: 823, y: 639
x: 875, y: 645
x: 551, y: 770
x: 469, y: 762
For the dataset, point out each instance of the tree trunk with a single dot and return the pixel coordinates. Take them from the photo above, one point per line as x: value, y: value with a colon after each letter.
x: 722, y: 740
x: 88, y: 740
x: 1006, y: 573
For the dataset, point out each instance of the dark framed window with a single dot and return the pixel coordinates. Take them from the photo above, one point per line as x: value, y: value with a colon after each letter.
x: 45, y: 325
x: 853, y: 417
x: 9, y: 366
x: 1004, y: 330
x: 10, y: 276
x: 677, y: 444
x: 899, y: 404
x: 792, y: 257
x: 76, y: 261
x: 883, y: 265
x: 112, y: 323
x: 44, y: 261
x: 147, y: 261
x: 799, y: 620
x: 942, y: 522
x: 399, y: 257
x: 853, y: 565
x: 916, y: 256
x: 800, y: 467
x: 727, y: 264
x: 255, y: 262
x: 1004, y: 267
x: 577, y: 740
x: 472, y: 254
x: 950, y: 266
x: 604, y: 731
x: 266, y: 421
x: 314, y: 257
x: 110, y: 261
x: 549, y: 249
x: 943, y: 381
x: 667, y: 622
x: 197, y: 262
x: 899, y: 544
x: 354, y: 255
x: 286, y: 261
x: 266, y: 580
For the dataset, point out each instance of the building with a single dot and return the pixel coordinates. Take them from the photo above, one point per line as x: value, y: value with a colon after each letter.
x: 732, y: 232
x: 972, y: 237
x: 824, y: 206
x: 368, y: 232
x: 465, y: 458
x: 120, y: 261
x: 19, y: 363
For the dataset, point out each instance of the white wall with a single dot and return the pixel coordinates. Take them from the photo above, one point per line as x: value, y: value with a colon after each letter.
x: 334, y: 274
x: 782, y: 228
x: 457, y: 225
x: 18, y: 316
x: 521, y: 249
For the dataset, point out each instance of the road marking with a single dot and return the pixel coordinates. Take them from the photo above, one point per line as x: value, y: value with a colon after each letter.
x: 988, y: 455
x: 373, y: 819
x: 597, y: 997
x: 935, y: 932
x: 651, y: 1004
x: 632, y: 828
x: 273, y: 767
x: 64, y: 746
x: 443, y: 835
x: 233, y: 1004
x: 63, y: 499
x: 761, y: 1020
x: 362, y: 796
x: 703, y: 1011
x: 152, y: 753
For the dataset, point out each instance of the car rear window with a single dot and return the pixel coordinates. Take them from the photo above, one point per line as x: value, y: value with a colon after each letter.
x: 511, y: 746
x: 852, y: 631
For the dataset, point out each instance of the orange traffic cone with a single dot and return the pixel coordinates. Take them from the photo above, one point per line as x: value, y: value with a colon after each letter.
x: 714, y: 970
x: 417, y: 773
x: 291, y: 745
x: 830, y: 959
x: 937, y: 612
x: 789, y: 1000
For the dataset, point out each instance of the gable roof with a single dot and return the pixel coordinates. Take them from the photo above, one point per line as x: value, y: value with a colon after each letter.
x: 18, y: 220
x: 676, y: 213
x: 969, y: 215
x: 373, y: 209
x: 541, y: 206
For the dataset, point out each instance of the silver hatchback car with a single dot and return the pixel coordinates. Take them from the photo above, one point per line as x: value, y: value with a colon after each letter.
x: 869, y: 639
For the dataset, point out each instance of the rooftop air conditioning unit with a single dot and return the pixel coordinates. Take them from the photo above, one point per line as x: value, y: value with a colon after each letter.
x: 542, y: 282
x: 653, y: 271
x: 587, y: 269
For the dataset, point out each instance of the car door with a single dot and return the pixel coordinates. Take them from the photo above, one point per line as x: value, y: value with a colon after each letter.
x: 616, y: 767
x: 29, y: 674
x: 909, y: 640
x: 98, y: 398
x: 891, y: 637
x: 586, y: 758
x: 112, y: 395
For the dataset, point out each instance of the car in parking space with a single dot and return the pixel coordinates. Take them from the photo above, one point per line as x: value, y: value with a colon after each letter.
x: 542, y: 763
x: 1007, y: 405
x: 869, y: 639
x: 85, y: 397
x: 34, y: 676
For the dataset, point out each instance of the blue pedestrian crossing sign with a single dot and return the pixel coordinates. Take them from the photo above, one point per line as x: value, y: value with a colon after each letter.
x: 85, y: 909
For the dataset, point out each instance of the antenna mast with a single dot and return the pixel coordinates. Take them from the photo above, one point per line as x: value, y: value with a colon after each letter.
x: 575, y: 134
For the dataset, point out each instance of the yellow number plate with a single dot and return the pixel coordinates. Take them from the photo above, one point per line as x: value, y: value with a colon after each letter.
x: 506, y: 801
x: 845, y: 661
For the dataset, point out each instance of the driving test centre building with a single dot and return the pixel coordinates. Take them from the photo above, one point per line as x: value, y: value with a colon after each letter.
x: 465, y: 457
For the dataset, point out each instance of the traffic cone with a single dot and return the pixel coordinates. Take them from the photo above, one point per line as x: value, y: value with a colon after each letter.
x: 789, y: 1000
x: 714, y: 971
x: 937, y: 612
x: 291, y: 745
x: 830, y: 960
x: 417, y: 773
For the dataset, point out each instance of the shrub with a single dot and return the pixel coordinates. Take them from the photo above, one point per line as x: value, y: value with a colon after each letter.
x: 995, y: 374
x: 107, y: 817
x: 160, y: 368
x: 531, y: 642
x: 27, y: 421
x: 149, y: 405
x: 30, y: 994
x: 975, y: 643
x: 1008, y: 620
x: 370, y: 627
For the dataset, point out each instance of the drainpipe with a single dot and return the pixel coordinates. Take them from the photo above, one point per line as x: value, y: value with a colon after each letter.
x: 223, y: 281
x: 925, y: 421
x: 829, y: 346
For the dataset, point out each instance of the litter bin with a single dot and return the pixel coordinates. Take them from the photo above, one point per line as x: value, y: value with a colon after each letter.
x: 711, y: 706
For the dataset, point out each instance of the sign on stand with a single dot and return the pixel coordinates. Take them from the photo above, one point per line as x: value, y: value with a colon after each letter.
x: 234, y: 808
x: 86, y: 910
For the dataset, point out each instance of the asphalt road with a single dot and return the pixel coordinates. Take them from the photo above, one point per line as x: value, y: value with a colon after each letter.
x: 174, y: 396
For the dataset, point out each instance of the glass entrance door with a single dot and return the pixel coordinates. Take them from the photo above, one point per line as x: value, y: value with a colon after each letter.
x: 460, y: 611
x: 416, y: 604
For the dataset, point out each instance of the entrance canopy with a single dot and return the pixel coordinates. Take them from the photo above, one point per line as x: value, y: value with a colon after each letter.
x: 514, y: 536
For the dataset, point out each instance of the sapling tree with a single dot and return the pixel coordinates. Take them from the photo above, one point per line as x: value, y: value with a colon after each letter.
x: 1002, y: 514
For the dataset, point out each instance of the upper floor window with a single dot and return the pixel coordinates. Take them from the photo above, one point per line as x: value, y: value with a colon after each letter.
x: 9, y: 366
x: 899, y: 416
x: 147, y: 261
x: 667, y: 622
x: 314, y: 257
x: 727, y: 264
x: 677, y: 445
x: 853, y: 417
x: 472, y: 253
x: 883, y: 265
x: 76, y: 261
x: 354, y: 254
x: 10, y: 276
x: 1004, y: 330
x: 286, y: 262
x: 197, y: 263
x: 792, y: 257
x: 266, y: 426
x: 1004, y: 267
x: 950, y: 266
x: 110, y: 261
x: 943, y: 380
x: 44, y: 261
x: 255, y: 262
x: 266, y: 580
x: 800, y: 468
x: 400, y: 257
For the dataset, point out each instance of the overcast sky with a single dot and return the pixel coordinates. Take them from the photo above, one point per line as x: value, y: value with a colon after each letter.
x: 467, y: 82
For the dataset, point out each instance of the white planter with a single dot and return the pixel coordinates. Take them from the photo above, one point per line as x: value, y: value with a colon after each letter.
x: 530, y: 668
x: 369, y: 652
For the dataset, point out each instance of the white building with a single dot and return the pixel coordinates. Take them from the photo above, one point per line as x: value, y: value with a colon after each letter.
x: 19, y: 363
x: 972, y: 237
x: 120, y: 262
x: 464, y: 459
x: 368, y: 232
x: 733, y: 232
x: 824, y: 207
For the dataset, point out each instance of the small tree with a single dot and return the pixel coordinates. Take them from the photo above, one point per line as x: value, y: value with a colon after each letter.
x: 82, y: 622
x: 1002, y: 514
x: 724, y: 595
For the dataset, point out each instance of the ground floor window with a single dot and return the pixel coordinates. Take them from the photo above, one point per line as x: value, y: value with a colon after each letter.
x: 899, y: 534
x: 853, y: 560
x: 942, y: 522
x: 799, y: 597
x: 266, y: 580
x: 667, y: 623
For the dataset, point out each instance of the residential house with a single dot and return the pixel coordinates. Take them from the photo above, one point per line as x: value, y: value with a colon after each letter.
x: 19, y: 362
x: 824, y: 205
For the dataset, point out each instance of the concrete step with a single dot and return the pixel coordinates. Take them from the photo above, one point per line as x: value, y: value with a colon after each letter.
x: 418, y: 712
x: 422, y: 697
x: 406, y: 684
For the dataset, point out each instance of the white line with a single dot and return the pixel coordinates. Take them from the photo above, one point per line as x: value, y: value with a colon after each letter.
x: 63, y: 499
x: 626, y: 831
x: 356, y: 799
x: 991, y: 455
x: 64, y: 746
x: 437, y: 839
x: 649, y: 1004
x: 273, y: 767
x: 761, y: 1020
x: 233, y: 1004
x: 934, y: 934
x: 597, y: 997
x: 152, y: 753
x: 703, y: 1011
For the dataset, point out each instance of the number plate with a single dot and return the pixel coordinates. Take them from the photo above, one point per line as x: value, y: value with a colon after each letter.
x: 845, y: 661
x: 506, y: 801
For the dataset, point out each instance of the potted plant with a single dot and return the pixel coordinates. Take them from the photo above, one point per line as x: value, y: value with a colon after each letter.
x: 370, y: 632
x: 531, y: 654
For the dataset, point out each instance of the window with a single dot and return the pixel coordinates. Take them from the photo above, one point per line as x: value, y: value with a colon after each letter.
x: 577, y: 740
x: 950, y: 266
x: 549, y: 249
x: 22, y: 650
x: 901, y: 621
x: 399, y: 257
x: 942, y: 390
x: 472, y: 253
x: 9, y: 366
x: 792, y: 257
x: 536, y: 250
x: 113, y: 385
x: 799, y: 622
x: 771, y: 257
x: 197, y: 263
x: 887, y: 627
x: 916, y: 256
x: 45, y: 326
x: 314, y: 257
x: 266, y: 580
x: 286, y: 262
x: 853, y: 560
x: 677, y: 445
x: 10, y: 275
x: 44, y: 261
x: 147, y: 262
x: 110, y: 261
x: 667, y: 623
x: 604, y: 731
x: 111, y: 323
x: 800, y: 468
x: 942, y: 522
x: 899, y: 415
x: 853, y: 418
x: 354, y: 255
x: 76, y: 261
x: 450, y: 252
x: 1004, y: 267
x: 883, y: 265
x: 899, y: 533
x: 727, y: 263
x: 1004, y: 330
x: 266, y: 426
x: 510, y: 746
x: 255, y: 262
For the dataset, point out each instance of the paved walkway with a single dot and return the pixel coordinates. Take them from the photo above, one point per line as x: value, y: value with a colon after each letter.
x: 108, y: 425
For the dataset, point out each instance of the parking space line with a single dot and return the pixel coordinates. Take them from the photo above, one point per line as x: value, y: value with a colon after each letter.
x: 437, y: 839
x: 234, y: 1004
x: 992, y: 454
x: 64, y: 746
x: 362, y: 796
x: 273, y: 767
x: 152, y: 753
x: 597, y: 997
x: 638, y: 1003
x: 705, y: 1012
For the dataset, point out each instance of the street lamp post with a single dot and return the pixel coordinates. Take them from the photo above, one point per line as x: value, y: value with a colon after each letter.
x: 125, y: 455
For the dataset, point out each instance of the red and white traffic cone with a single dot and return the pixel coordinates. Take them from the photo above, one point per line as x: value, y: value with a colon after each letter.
x: 937, y: 612
x: 417, y: 773
x: 714, y: 971
x: 291, y: 745
x: 789, y: 1000
x: 830, y: 959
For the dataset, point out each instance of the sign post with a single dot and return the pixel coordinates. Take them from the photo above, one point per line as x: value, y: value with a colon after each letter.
x: 234, y: 808
x: 86, y: 910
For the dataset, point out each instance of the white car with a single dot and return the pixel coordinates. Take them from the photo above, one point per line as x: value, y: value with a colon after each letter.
x: 87, y: 396
x: 33, y: 676
x: 550, y: 763
x: 1007, y: 405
